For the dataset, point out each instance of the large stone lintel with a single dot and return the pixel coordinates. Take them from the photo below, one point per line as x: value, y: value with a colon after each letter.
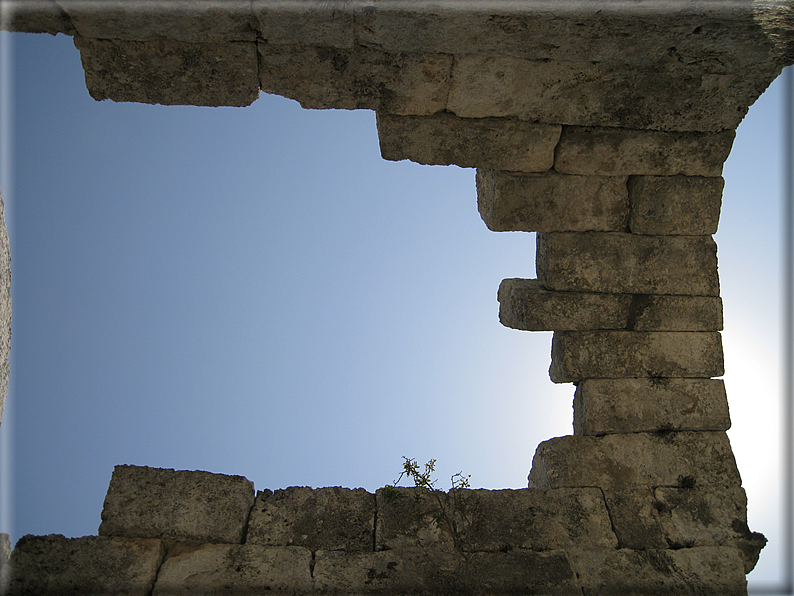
x: 445, y: 139
x: 578, y: 355
x: 524, y: 304
x: 610, y: 406
x: 144, y: 502
x: 551, y: 202
x: 620, y: 462
x: 620, y: 263
x: 170, y: 72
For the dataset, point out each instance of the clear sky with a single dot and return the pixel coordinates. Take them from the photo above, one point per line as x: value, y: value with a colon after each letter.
x: 255, y: 291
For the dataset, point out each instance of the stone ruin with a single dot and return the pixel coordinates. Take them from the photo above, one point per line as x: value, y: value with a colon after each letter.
x: 603, y: 127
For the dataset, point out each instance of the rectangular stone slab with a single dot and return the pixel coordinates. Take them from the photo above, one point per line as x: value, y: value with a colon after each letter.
x: 676, y: 459
x: 236, y: 569
x: 609, y: 406
x: 144, y: 502
x: 551, y: 202
x: 675, y: 205
x: 578, y: 355
x: 618, y: 151
x: 445, y: 139
x: 619, y: 263
x: 325, y: 518
x: 88, y: 566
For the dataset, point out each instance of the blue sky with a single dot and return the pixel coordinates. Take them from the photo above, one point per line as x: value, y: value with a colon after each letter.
x: 255, y: 291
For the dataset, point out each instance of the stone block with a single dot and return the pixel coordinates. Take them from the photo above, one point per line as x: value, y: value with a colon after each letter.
x: 236, y: 569
x: 610, y: 406
x: 704, y: 571
x: 675, y: 205
x: 325, y: 518
x: 675, y: 313
x: 89, y: 566
x: 525, y: 305
x: 619, y: 263
x: 5, y: 555
x: 675, y: 459
x: 551, y: 202
x: 170, y: 72
x: 445, y: 139
x: 619, y: 151
x: 418, y: 572
x: 493, y: 520
x: 159, y: 503
x: 578, y: 355
x: 194, y: 21
x: 319, y: 78
x: 327, y: 24
x: 36, y: 16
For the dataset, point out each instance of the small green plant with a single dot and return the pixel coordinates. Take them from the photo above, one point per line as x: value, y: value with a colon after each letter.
x: 424, y: 480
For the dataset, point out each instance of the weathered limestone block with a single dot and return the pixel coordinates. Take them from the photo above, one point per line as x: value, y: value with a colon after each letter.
x: 326, y: 518
x: 89, y: 566
x: 170, y: 72
x: 551, y: 202
x: 577, y: 355
x: 524, y: 304
x: 327, y: 24
x: 592, y: 151
x: 609, y: 406
x: 195, y: 21
x: 5, y: 555
x: 619, y: 263
x: 493, y: 521
x: 445, y: 139
x: 685, y: 205
x: 40, y: 16
x: 159, y: 503
x: 236, y: 569
x: 415, y: 571
x: 677, y: 459
x: 320, y: 78
x: 703, y: 571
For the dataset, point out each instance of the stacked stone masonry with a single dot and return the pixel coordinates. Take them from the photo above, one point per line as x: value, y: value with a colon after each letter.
x: 603, y: 130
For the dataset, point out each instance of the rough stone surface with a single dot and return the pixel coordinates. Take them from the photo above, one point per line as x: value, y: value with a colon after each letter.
x: 414, y: 84
x: 5, y: 555
x: 444, y: 139
x: 685, y: 205
x: 619, y: 263
x: 328, y: 24
x: 236, y: 569
x: 86, y: 566
x: 704, y: 571
x: 5, y: 308
x: 195, y: 21
x: 326, y: 518
x: 41, y: 16
x: 420, y: 572
x: 675, y: 459
x: 609, y: 406
x: 493, y: 521
x: 577, y: 355
x: 146, y: 502
x: 524, y: 304
x: 551, y: 202
x: 618, y: 151
x: 170, y: 72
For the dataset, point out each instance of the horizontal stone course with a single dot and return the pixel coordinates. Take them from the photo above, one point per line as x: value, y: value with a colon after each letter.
x: 620, y: 151
x: 144, y: 502
x: 620, y: 462
x: 551, y: 202
x: 89, y: 566
x: 578, y: 355
x: 444, y: 139
x: 524, y: 304
x: 170, y: 72
x: 610, y: 406
x: 618, y: 263
x: 675, y: 205
x: 326, y: 518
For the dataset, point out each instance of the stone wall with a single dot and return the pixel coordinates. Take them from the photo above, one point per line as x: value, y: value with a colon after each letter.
x: 602, y: 129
